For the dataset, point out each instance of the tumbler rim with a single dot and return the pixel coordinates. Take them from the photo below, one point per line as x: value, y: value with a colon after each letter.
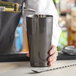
x: 39, y: 15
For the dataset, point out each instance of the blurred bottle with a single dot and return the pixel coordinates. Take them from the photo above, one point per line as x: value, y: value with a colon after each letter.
x: 63, y: 39
x: 72, y: 27
x: 25, y: 12
x: 25, y: 48
x: 19, y: 37
x: 10, y: 7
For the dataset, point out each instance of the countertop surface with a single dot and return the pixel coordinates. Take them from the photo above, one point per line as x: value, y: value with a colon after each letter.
x: 24, y: 69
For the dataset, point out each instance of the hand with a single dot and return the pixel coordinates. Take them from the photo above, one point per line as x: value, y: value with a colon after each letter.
x: 53, y: 55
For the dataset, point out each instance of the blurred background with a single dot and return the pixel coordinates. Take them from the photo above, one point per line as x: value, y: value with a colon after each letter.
x: 67, y: 21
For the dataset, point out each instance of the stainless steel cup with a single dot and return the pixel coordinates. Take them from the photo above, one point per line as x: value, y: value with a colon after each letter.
x: 39, y: 31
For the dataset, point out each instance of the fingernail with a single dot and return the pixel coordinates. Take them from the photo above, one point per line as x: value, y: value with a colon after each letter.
x: 49, y: 58
x: 50, y: 52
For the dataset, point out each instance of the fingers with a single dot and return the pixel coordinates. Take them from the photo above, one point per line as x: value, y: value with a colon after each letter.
x: 53, y: 50
x: 51, y: 63
x: 52, y: 57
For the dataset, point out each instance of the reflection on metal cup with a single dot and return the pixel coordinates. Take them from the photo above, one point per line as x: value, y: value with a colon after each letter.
x: 39, y: 32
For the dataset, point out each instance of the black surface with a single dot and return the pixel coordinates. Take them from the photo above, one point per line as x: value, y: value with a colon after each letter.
x: 62, y: 56
x: 23, y: 57
x: 14, y: 57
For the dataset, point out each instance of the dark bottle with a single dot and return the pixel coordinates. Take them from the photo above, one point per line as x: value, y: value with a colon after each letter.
x: 39, y: 32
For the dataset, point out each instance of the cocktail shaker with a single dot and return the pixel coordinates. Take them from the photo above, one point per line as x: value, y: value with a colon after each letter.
x: 39, y: 33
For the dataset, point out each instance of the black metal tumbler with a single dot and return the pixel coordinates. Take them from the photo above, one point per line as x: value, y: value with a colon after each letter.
x: 39, y: 31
